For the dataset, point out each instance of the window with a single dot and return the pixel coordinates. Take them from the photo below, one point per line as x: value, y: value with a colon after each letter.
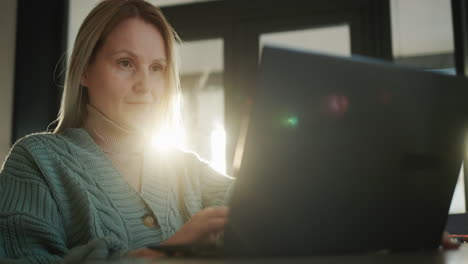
x: 202, y: 67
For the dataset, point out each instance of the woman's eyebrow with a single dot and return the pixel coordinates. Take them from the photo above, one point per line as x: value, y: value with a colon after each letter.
x: 160, y: 60
x: 123, y: 51
x: 132, y: 54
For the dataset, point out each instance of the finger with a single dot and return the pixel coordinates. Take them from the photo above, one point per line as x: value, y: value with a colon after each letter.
x: 448, y: 242
x: 216, y: 225
x: 212, y: 225
x: 220, y: 211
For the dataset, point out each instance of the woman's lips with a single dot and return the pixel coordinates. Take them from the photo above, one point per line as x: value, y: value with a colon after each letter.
x: 140, y: 103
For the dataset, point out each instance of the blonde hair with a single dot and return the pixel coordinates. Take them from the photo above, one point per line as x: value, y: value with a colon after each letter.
x: 92, y: 35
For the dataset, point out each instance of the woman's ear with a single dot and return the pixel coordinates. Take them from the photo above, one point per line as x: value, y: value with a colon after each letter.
x: 84, y: 79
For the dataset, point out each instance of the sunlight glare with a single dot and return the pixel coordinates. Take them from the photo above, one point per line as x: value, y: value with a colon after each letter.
x: 218, y: 149
x: 168, y: 138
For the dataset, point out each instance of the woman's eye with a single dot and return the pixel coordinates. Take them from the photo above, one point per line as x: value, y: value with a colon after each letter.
x: 157, y: 68
x: 125, y: 63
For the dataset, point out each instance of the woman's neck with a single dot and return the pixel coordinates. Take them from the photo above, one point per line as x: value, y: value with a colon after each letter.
x: 111, y: 137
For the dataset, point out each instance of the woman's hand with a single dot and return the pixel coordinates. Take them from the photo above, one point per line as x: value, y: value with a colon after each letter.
x: 448, y: 242
x: 205, y: 227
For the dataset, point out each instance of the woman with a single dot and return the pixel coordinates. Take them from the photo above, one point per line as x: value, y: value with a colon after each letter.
x: 93, y: 189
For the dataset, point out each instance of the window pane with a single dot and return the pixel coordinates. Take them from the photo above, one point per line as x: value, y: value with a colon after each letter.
x: 330, y: 39
x: 77, y: 12
x: 458, y: 205
x: 422, y: 33
x: 202, y: 67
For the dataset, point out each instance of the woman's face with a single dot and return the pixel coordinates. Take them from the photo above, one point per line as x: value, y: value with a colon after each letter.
x: 126, y: 78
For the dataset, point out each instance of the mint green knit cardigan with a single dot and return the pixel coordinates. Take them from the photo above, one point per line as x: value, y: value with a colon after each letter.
x: 61, y: 199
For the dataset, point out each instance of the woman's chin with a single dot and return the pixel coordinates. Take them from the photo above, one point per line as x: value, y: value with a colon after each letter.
x: 140, y: 125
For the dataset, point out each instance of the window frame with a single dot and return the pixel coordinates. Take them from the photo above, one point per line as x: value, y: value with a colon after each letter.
x: 240, y: 23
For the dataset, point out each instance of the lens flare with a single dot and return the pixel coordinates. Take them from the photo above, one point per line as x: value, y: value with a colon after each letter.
x: 337, y: 104
x: 218, y: 149
x: 167, y: 138
x: 293, y: 121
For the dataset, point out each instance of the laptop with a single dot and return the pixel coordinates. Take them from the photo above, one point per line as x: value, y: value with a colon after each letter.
x: 346, y: 155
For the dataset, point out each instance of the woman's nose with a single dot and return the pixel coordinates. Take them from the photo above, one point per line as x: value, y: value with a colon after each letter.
x: 142, y: 84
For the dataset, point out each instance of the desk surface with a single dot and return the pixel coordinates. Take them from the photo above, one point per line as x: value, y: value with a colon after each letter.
x: 427, y: 257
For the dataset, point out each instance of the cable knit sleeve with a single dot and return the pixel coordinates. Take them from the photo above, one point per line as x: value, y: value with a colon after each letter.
x: 31, y: 228
x: 216, y: 187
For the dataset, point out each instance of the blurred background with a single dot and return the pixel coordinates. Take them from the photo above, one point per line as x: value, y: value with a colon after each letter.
x: 222, y: 42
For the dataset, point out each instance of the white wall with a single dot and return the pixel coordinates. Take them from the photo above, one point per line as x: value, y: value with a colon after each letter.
x: 77, y: 12
x: 7, y: 66
x: 421, y: 27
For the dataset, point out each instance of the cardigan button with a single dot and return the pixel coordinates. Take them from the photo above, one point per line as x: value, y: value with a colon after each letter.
x: 149, y: 220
